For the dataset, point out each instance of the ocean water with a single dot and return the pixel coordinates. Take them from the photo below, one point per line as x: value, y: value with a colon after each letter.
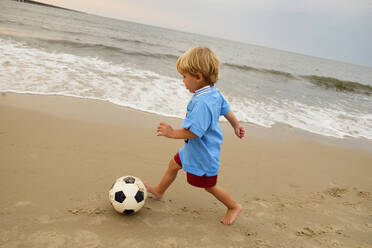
x: 58, y: 52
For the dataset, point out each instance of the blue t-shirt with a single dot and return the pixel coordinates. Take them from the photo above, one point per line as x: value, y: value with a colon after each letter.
x: 201, y: 156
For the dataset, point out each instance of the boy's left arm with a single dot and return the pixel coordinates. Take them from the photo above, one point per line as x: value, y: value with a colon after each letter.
x: 166, y: 130
x: 239, y: 130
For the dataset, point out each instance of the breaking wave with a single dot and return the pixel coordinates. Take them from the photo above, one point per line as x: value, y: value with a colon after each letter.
x: 94, y: 46
x: 330, y: 83
x: 262, y: 70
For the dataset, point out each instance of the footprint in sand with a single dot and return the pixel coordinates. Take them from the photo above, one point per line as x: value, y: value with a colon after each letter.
x: 336, y: 192
x: 307, y: 231
x: 281, y: 225
x: 184, y: 209
x: 262, y: 243
x: 364, y: 195
x: 87, y: 211
x: 319, y: 230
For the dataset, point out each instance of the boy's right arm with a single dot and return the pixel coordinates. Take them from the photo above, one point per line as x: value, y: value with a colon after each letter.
x: 239, y: 130
x: 166, y: 130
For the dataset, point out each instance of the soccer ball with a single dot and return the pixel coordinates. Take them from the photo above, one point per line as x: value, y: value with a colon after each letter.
x: 128, y: 194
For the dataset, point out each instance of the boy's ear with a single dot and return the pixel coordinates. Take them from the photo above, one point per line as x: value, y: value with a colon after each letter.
x: 199, y: 76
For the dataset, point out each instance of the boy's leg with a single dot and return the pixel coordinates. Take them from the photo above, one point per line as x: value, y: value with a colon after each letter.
x: 233, y: 208
x: 166, y: 181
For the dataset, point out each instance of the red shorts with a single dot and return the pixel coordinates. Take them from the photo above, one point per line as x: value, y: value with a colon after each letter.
x: 198, y: 181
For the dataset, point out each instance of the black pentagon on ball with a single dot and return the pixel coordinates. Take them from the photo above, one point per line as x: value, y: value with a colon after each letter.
x: 120, y: 196
x: 139, y: 196
x: 128, y: 211
x: 129, y: 180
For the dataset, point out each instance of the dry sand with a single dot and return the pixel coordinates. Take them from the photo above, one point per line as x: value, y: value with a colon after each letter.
x: 60, y: 155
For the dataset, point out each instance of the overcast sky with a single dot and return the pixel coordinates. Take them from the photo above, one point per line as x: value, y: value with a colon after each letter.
x: 336, y: 29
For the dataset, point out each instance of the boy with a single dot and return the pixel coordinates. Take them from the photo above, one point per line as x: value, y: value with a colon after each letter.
x: 199, y: 156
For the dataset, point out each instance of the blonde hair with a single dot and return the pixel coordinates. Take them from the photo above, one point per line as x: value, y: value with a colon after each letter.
x: 200, y: 60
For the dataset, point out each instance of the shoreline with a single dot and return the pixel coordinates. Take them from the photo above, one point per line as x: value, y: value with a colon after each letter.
x: 60, y: 155
x: 278, y: 131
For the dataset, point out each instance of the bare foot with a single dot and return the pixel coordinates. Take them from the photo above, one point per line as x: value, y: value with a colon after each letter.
x: 153, y: 191
x: 231, y: 215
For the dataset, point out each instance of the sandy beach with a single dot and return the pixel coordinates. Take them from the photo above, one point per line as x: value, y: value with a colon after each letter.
x: 60, y: 155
